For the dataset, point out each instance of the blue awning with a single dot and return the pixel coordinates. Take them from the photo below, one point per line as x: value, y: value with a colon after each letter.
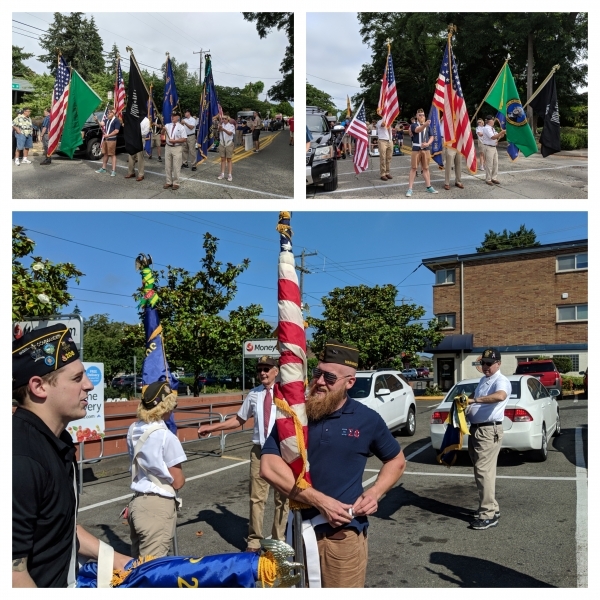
x: 453, y: 343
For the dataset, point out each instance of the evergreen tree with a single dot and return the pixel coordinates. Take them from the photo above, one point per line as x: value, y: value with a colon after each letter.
x: 111, y: 60
x: 18, y: 68
x: 505, y: 240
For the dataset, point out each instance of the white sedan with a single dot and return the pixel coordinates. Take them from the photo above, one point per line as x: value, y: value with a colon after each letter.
x: 389, y: 395
x: 530, y: 417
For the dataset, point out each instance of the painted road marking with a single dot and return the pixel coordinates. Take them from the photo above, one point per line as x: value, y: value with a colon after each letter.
x: 581, y: 527
x: 239, y: 153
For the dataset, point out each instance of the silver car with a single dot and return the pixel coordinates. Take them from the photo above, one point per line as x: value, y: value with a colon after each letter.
x: 389, y: 395
x: 530, y: 417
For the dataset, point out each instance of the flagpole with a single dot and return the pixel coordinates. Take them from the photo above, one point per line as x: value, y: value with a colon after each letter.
x: 491, y: 87
x: 130, y: 50
x: 554, y: 69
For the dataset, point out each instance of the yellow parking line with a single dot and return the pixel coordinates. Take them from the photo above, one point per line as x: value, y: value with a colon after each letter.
x: 239, y: 153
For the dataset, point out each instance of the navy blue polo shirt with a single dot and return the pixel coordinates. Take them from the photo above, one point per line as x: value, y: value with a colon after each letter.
x: 338, y: 448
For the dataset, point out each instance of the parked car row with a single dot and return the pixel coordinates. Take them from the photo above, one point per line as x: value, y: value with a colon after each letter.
x: 124, y: 382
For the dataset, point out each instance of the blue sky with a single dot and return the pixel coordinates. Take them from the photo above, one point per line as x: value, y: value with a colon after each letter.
x: 353, y: 248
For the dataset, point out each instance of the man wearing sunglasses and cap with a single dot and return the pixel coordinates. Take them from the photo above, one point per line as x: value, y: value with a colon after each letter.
x: 342, y: 433
x: 258, y: 404
x: 486, y: 414
x: 51, y: 387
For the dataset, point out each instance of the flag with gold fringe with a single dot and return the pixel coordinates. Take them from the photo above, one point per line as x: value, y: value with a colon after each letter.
x: 457, y: 428
x: 291, y: 420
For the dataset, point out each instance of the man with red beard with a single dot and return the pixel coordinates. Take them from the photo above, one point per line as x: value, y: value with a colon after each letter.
x: 342, y: 433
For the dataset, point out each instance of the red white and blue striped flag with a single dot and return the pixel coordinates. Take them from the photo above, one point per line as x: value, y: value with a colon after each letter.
x: 388, y: 108
x: 119, y: 91
x: 60, y: 99
x: 358, y: 130
x: 291, y: 420
x: 449, y: 97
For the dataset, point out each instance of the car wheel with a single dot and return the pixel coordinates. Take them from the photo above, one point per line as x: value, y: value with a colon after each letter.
x: 411, y: 423
x: 332, y: 185
x: 93, y: 150
x: 557, y: 430
x: 542, y: 454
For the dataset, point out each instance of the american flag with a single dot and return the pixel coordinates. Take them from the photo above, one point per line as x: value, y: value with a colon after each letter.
x: 388, y: 108
x: 60, y: 99
x: 119, y: 91
x: 289, y: 394
x: 448, y: 97
x: 358, y: 130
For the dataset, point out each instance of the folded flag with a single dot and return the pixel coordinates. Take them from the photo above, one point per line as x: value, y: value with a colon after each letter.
x: 457, y: 428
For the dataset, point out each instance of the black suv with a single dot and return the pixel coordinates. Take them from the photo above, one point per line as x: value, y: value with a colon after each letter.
x: 91, y: 136
x: 321, y: 158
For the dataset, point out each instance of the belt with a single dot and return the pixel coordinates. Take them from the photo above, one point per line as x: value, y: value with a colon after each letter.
x: 137, y: 494
x: 191, y: 134
x: 490, y: 145
x: 486, y: 424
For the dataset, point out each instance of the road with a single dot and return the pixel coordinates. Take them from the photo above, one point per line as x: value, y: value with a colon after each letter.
x: 563, y: 175
x: 266, y: 174
x: 419, y: 537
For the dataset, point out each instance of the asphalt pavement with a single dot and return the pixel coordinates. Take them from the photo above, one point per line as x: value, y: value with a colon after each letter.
x: 266, y: 174
x: 419, y: 537
x: 563, y: 175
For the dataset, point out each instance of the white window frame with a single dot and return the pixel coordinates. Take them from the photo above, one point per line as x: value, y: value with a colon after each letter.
x: 576, y: 268
x: 446, y: 271
x: 575, y: 320
x: 440, y: 319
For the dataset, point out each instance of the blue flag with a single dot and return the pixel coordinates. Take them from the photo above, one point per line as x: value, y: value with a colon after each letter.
x: 209, y: 109
x: 151, y: 117
x: 171, y: 99
x: 436, y: 131
x: 513, y: 151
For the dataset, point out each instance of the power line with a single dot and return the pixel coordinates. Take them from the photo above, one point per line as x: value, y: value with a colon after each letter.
x: 32, y: 27
x: 336, y: 83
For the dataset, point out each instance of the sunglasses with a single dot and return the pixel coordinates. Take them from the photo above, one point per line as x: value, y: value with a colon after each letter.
x: 263, y: 369
x: 487, y: 363
x: 329, y: 378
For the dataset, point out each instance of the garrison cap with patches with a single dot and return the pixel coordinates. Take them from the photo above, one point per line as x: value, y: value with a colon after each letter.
x: 267, y: 360
x: 42, y: 351
x: 155, y: 393
x: 341, y: 354
x: 490, y: 355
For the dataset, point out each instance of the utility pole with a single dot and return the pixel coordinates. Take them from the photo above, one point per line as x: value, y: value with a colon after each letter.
x: 200, y: 72
x: 303, y: 270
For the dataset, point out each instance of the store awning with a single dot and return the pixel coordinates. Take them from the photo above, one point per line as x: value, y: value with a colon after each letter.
x: 453, y: 343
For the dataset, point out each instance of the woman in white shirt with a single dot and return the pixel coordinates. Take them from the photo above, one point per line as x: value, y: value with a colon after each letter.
x: 156, y: 473
x: 479, y: 132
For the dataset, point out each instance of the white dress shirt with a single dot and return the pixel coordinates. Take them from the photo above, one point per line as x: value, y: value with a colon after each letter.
x: 253, y: 406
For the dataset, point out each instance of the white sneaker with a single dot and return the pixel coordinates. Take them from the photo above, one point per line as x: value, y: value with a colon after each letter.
x: 229, y: 178
x: 26, y: 161
x: 221, y: 176
x: 17, y: 162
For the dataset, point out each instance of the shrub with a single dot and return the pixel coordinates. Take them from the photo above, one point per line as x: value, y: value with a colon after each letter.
x: 572, y: 383
x: 433, y: 390
x: 563, y: 363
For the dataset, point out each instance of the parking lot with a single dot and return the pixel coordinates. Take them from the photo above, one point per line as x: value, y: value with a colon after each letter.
x: 420, y: 536
x: 266, y: 174
x: 563, y: 175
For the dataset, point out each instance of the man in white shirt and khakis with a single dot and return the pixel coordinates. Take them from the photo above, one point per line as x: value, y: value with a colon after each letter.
x: 385, y: 144
x: 189, y: 149
x: 258, y: 404
x: 175, y: 138
x: 226, y: 145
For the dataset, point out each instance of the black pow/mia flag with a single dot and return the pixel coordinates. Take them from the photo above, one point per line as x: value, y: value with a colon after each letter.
x: 137, y: 109
x: 546, y: 103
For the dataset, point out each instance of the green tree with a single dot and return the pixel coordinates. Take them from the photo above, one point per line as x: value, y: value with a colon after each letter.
x: 19, y: 69
x: 254, y: 89
x: 39, y: 288
x: 505, y: 240
x: 41, y: 97
x: 265, y: 22
x: 317, y: 97
x: 285, y: 108
x: 196, y: 334
x: 102, y: 342
x: 563, y: 363
x: 111, y: 60
x: 369, y: 318
x: 78, y: 40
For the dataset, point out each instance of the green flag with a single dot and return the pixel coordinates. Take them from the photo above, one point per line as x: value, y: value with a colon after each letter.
x: 83, y: 100
x: 505, y: 99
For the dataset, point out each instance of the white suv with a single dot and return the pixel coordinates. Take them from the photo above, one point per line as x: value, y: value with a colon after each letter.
x: 389, y: 395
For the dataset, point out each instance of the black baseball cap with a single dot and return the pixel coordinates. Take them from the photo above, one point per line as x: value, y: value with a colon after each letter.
x: 490, y: 356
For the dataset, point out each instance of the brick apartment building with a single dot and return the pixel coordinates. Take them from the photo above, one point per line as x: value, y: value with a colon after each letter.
x: 528, y: 302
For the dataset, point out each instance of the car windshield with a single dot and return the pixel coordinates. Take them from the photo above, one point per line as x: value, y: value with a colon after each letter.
x: 361, y: 388
x: 523, y: 368
x: 469, y: 388
x: 316, y: 124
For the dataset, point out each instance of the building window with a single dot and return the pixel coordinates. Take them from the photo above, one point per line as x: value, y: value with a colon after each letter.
x: 447, y: 321
x: 574, y: 359
x: 575, y: 312
x: 572, y: 262
x: 445, y: 276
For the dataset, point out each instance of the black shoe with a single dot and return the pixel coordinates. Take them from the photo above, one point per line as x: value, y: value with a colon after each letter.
x: 484, y: 523
x: 185, y: 166
x: 149, y: 157
x: 159, y: 159
x: 193, y: 168
x: 46, y: 161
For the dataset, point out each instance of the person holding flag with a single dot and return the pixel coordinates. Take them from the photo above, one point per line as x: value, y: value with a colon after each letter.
x: 490, y: 141
x: 422, y: 139
x: 109, y: 142
x: 176, y: 137
x: 189, y: 149
x: 385, y: 143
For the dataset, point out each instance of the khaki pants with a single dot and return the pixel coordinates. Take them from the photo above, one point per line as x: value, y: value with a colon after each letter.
x: 132, y: 159
x: 385, y: 156
x: 484, y: 448
x: 343, y: 556
x: 448, y: 160
x: 173, y: 160
x: 189, y: 151
x: 491, y: 162
x: 152, y: 521
x: 259, y: 492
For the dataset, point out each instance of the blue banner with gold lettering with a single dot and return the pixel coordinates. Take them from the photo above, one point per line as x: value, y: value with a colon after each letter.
x: 209, y: 109
x: 171, y: 99
x: 511, y: 149
x: 436, y: 131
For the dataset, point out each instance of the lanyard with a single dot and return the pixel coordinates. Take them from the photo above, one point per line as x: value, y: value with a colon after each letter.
x: 71, y: 579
